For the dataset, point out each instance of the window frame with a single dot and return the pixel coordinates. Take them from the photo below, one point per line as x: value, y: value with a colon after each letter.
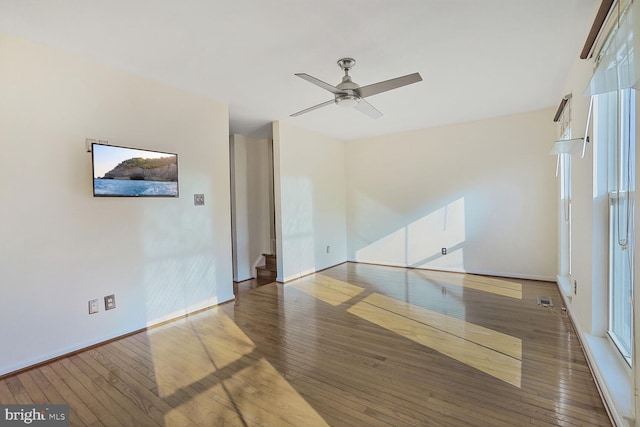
x: 619, y: 114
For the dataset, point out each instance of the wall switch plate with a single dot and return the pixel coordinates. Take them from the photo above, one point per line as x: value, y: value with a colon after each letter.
x: 109, y: 302
x: 328, y: 249
x: 93, y: 306
x: 444, y: 251
x: 198, y: 199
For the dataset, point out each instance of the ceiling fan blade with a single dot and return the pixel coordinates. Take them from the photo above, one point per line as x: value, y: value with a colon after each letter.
x: 315, y: 107
x: 376, y: 88
x: 320, y: 83
x: 371, y: 111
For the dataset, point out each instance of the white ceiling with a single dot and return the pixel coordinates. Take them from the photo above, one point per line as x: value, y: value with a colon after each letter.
x: 478, y: 58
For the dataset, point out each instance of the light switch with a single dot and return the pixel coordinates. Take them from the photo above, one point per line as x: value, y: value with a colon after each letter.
x: 93, y: 306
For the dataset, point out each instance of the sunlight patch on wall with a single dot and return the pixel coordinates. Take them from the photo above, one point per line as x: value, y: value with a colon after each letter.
x: 419, y: 243
x: 491, y: 352
x: 444, y: 228
x: 327, y: 289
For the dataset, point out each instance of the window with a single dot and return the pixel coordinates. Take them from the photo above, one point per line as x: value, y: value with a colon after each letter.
x: 564, y: 164
x: 615, y: 75
x: 616, y: 113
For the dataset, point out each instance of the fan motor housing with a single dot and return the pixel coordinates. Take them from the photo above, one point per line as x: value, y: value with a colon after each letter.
x: 347, y: 84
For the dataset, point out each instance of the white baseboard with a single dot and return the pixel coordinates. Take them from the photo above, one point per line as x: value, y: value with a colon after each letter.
x: 612, y: 376
x: 564, y: 286
x: 512, y: 275
x: 462, y: 270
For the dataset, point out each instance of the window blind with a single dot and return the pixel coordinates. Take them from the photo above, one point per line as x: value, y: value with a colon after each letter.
x: 618, y: 62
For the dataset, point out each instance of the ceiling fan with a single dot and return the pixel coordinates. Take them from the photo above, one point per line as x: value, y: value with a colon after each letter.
x: 350, y: 94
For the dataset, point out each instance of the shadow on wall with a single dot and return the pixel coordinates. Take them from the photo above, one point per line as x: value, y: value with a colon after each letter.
x: 298, y: 240
x: 179, y: 273
x: 419, y: 244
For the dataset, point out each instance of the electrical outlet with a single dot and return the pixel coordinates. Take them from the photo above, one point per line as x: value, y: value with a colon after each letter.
x: 575, y: 287
x: 109, y: 302
x: 198, y: 199
x: 444, y: 251
x: 93, y: 306
x: 328, y: 249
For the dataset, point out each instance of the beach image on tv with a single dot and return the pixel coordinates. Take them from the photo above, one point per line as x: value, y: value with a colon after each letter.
x: 120, y: 171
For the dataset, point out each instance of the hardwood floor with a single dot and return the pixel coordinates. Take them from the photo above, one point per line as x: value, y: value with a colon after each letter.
x: 355, y: 345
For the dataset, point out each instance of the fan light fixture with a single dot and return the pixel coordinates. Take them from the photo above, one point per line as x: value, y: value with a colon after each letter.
x: 347, y: 101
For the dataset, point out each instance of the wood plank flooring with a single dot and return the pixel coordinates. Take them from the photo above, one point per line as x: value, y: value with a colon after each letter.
x: 354, y: 345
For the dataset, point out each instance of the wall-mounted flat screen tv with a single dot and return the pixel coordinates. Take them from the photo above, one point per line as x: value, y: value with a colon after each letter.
x: 131, y: 172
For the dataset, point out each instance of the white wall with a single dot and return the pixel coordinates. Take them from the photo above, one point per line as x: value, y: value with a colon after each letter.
x: 484, y: 190
x: 587, y: 305
x: 252, y: 203
x: 309, y: 187
x: 587, y: 302
x: 61, y: 247
x: 589, y: 210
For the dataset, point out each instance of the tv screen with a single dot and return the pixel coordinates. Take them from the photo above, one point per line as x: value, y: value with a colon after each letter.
x: 130, y: 172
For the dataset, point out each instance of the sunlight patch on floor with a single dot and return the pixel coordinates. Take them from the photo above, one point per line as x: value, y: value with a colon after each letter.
x: 327, y: 289
x: 264, y: 397
x: 200, y: 341
x: 255, y: 395
x: 485, y: 284
x: 491, y: 352
x: 502, y: 343
x: 207, y: 408
x: 234, y: 388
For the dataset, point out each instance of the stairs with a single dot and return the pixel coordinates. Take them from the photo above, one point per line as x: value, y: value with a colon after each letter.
x: 267, y: 273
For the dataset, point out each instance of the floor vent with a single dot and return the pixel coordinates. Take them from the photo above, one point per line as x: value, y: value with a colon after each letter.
x: 545, y: 301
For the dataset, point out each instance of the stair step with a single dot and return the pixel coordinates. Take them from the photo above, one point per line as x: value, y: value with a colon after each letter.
x: 267, y: 268
x: 270, y: 277
x: 264, y: 279
x: 268, y: 271
x: 270, y: 261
